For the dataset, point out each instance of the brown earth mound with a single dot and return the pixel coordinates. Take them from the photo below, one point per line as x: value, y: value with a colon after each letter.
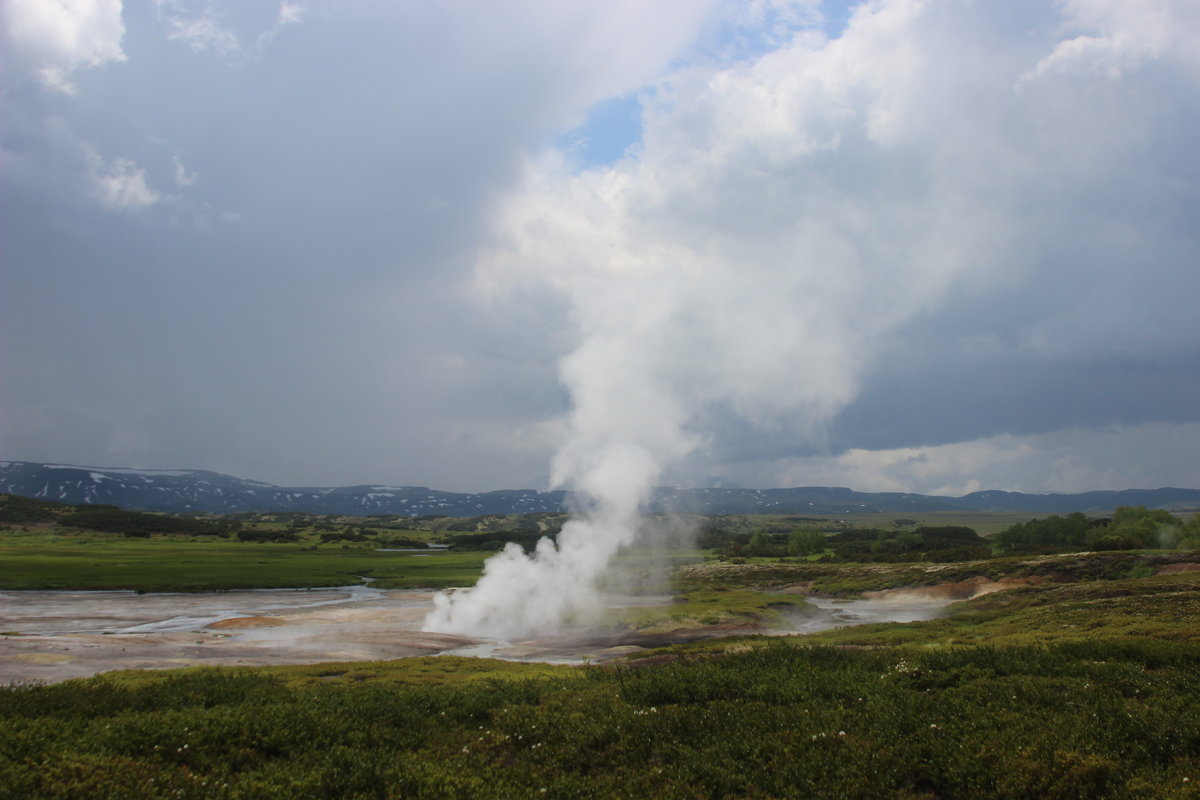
x: 958, y: 590
x: 1171, y: 569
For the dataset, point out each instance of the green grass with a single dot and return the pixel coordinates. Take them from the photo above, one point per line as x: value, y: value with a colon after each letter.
x: 415, y: 671
x: 728, y: 608
x: 984, y: 522
x: 162, y: 564
x: 1081, y: 685
x: 1163, y: 607
x: 786, y: 720
x: 848, y: 579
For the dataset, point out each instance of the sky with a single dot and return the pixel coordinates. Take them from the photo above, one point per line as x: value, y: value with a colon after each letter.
x: 903, y: 245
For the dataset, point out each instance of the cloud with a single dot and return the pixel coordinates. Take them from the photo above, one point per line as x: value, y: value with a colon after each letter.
x: 120, y: 185
x: 203, y: 33
x: 1084, y: 55
x: 951, y: 222
x: 60, y: 38
x: 207, y: 30
x: 746, y: 29
x: 1150, y: 456
x: 1115, y: 38
x: 335, y: 211
x: 289, y: 14
x: 182, y: 176
x: 48, y: 157
x: 791, y: 221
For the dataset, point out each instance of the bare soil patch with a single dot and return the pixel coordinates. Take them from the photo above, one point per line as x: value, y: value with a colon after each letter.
x: 55, y: 636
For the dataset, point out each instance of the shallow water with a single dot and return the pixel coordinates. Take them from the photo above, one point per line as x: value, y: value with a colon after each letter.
x: 833, y: 613
x: 54, y: 636
x: 129, y: 612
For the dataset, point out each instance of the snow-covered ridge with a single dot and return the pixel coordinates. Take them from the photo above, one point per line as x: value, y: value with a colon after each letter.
x: 174, y: 473
x: 201, y: 490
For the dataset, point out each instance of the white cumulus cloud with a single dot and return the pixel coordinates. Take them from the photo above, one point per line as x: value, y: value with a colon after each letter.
x: 120, y: 184
x: 183, y: 177
x: 787, y: 217
x: 206, y: 28
x: 1148, y: 456
x: 61, y: 37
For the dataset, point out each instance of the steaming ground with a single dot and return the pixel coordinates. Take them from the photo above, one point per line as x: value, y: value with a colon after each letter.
x: 61, y: 635
x: 558, y: 587
x: 56, y: 636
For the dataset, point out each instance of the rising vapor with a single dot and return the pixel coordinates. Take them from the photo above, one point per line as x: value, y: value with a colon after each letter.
x: 786, y: 216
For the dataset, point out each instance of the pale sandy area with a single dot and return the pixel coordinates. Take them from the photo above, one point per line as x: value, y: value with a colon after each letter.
x: 55, y: 636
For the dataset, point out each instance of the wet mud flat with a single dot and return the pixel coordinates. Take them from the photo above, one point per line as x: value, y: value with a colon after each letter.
x: 49, y: 636
x: 54, y: 636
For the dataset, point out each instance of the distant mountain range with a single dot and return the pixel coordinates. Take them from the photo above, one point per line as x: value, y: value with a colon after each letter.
x: 200, y: 490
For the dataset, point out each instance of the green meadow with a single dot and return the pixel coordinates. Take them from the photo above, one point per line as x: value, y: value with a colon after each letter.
x: 1098, y: 718
x: 170, y: 565
x: 1079, y: 681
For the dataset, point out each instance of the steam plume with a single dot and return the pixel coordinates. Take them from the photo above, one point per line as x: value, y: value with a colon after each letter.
x: 782, y: 220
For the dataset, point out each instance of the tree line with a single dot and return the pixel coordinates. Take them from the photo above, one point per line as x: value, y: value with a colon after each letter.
x: 1129, y: 528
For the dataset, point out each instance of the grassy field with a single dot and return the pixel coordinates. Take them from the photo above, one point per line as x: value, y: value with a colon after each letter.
x: 703, y: 608
x: 1162, y: 607
x: 852, y: 578
x: 163, y: 564
x: 1081, y: 682
x: 46, y: 545
x: 984, y: 522
x: 1159, y: 607
x: 1112, y: 715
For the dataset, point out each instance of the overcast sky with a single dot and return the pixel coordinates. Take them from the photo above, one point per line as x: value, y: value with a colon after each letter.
x: 930, y: 246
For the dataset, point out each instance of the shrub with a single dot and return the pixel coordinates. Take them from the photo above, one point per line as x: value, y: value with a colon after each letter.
x: 267, y: 536
x: 110, y: 519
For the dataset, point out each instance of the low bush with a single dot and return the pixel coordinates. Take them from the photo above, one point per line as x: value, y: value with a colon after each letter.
x: 110, y: 519
x: 268, y: 536
x: 1088, y: 719
x: 496, y: 540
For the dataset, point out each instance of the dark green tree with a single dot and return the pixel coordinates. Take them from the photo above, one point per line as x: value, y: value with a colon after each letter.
x: 806, y: 540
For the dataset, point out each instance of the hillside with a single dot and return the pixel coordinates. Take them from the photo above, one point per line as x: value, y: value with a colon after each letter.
x: 201, y: 490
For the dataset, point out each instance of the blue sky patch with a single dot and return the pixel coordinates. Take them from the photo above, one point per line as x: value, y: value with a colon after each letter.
x: 611, y: 127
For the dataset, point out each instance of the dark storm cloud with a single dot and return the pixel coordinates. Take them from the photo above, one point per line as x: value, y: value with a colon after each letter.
x: 956, y: 222
x: 320, y: 244
x: 243, y: 241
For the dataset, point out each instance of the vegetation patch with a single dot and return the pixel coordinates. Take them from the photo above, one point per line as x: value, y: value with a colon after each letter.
x: 175, y: 565
x: 1130, y: 528
x: 837, y: 579
x: 1067, y: 720
x: 111, y: 519
x: 1081, y: 683
x: 714, y: 608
